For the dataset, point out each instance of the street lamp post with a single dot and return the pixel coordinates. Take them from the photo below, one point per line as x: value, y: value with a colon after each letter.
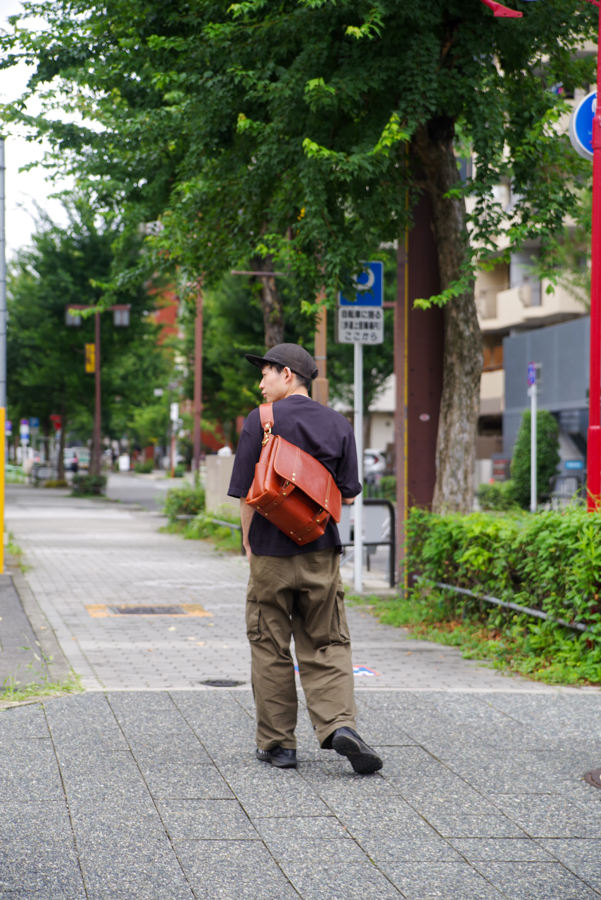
x: 593, y: 464
x: 120, y: 319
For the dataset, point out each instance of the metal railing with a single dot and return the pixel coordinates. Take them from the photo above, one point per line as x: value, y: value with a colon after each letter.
x: 387, y: 537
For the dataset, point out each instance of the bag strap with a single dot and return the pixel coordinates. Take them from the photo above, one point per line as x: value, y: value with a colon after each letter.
x: 266, y: 413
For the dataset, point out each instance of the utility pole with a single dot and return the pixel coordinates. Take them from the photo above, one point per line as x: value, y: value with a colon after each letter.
x: 197, y: 382
x: 96, y: 449
x: 2, y: 347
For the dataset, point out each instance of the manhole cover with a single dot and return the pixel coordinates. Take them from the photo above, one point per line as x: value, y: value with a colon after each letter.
x: 594, y: 778
x: 146, y: 610
x: 101, y: 610
x: 221, y: 682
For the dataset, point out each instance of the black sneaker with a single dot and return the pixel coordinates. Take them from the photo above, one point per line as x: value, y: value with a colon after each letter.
x: 281, y: 757
x: 362, y: 758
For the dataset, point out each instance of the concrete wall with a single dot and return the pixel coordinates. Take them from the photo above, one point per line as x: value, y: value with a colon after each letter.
x: 219, y: 473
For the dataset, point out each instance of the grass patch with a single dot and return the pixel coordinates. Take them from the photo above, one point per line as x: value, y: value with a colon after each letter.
x: 202, y: 528
x: 16, y: 691
x: 507, y: 641
x: 14, y: 474
x: 16, y: 552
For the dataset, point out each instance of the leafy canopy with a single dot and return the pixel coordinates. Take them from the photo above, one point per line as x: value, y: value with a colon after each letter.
x: 284, y: 127
x: 46, y: 371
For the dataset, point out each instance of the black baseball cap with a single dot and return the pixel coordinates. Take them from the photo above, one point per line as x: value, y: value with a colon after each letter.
x: 296, y: 358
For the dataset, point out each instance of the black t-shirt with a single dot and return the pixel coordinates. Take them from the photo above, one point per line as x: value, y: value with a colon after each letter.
x: 318, y: 430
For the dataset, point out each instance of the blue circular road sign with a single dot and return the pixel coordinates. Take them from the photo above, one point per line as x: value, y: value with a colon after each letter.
x: 581, y: 126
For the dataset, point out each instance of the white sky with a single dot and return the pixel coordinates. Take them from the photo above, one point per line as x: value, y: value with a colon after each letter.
x: 23, y: 189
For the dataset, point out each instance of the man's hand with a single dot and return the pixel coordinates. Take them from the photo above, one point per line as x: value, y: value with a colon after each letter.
x: 246, y: 514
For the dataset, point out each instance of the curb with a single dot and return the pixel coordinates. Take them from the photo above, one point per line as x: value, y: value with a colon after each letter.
x: 59, y: 668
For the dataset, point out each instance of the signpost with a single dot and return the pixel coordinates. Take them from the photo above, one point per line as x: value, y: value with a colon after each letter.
x: 174, y: 416
x: 581, y: 126
x: 360, y: 320
x: 532, y: 391
x: 24, y: 431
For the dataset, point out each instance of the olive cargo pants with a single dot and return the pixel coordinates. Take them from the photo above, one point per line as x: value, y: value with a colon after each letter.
x: 300, y: 596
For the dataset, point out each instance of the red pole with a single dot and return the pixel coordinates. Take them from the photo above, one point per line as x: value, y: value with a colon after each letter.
x: 400, y: 412
x: 594, y: 412
x: 97, y: 410
x: 197, y: 380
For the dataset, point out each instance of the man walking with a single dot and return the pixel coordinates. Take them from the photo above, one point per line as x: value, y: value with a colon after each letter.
x: 297, y: 591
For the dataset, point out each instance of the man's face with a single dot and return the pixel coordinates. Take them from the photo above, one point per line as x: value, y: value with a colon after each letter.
x: 275, y: 385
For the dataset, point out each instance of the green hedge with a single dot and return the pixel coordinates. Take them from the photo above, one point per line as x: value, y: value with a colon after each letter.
x: 550, y: 562
x: 88, y: 485
x: 144, y: 466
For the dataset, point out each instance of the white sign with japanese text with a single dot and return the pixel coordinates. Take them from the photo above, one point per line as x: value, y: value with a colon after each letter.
x: 360, y: 325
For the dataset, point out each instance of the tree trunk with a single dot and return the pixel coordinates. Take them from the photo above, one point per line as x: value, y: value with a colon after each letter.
x: 60, y: 463
x: 271, y: 304
x: 459, y: 406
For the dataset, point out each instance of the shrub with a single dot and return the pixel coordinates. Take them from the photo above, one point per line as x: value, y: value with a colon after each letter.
x: 548, y: 562
x: 184, y: 501
x: 206, y: 526
x: 499, y: 496
x: 547, y: 456
x: 387, y: 487
x: 88, y: 485
x: 144, y: 467
x: 56, y: 483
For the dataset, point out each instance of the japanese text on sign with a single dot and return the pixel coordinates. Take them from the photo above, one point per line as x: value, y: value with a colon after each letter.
x: 360, y: 325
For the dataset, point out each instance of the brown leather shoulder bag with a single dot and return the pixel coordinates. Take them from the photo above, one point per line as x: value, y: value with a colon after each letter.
x: 291, y: 488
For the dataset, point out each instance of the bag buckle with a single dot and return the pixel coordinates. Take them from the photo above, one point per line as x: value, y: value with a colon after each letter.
x: 267, y: 432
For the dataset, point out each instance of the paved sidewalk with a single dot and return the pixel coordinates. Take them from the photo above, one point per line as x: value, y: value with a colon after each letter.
x: 86, y: 554
x: 157, y: 796
x: 146, y: 787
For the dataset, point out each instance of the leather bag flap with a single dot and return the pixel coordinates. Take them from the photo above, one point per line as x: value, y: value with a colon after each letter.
x: 294, y: 465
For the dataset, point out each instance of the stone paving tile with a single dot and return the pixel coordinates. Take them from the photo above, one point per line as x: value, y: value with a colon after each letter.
x: 547, y: 816
x: 404, y: 845
x: 580, y: 856
x: 233, y: 870
x: 33, y: 869
x: 116, y: 821
x: 178, y: 781
x: 440, y: 881
x: 42, y: 895
x: 23, y: 723
x: 468, y: 826
x: 338, y: 869
x: 182, y: 748
x: 533, y: 880
x: 301, y: 828
x: 34, y: 822
x: 193, y: 820
x: 29, y: 772
x: 126, y: 870
x: 500, y: 849
x: 384, y: 730
x: 113, y: 777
